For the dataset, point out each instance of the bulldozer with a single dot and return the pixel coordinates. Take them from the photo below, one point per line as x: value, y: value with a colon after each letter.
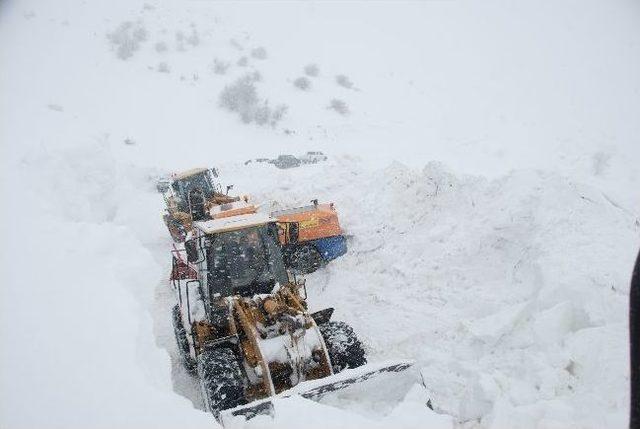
x: 310, y: 236
x: 242, y: 324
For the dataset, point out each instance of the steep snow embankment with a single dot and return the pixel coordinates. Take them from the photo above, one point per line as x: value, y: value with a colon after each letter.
x: 511, y: 293
x: 78, y: 345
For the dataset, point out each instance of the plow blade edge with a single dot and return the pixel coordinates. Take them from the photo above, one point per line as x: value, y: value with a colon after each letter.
x: 316, y: 388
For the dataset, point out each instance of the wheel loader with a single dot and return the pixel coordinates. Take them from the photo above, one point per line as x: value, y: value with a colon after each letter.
x: 242, y: 324
x: 190, y: 195
x: 310, y: 236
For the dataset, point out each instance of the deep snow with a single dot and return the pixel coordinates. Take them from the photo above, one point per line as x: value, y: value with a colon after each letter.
x: 502, y: 268
x: 510, y: 293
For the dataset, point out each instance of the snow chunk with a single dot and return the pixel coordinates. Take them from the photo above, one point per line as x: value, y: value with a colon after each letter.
x: 492, y: 328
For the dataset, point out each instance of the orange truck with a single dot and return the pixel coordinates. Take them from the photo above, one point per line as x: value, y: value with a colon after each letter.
x: 310, y: 236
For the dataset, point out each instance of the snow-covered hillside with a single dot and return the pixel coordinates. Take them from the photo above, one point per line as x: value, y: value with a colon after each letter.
x: 482, y: 158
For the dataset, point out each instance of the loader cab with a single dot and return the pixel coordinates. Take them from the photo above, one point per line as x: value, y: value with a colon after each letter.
x: 244, y: 259
x: 200, y: 180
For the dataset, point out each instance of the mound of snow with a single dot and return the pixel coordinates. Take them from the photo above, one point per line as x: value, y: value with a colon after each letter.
x: 511, y: 291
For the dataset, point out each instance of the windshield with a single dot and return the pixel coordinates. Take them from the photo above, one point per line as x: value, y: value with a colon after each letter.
x: 201, y: 182
x: 245, y: 262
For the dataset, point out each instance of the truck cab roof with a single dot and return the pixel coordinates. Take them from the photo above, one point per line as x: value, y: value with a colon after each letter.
x: 188, y: 173
x: 233, y: 223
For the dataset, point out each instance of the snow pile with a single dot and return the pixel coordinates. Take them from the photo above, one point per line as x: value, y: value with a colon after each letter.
x: 510, y: 293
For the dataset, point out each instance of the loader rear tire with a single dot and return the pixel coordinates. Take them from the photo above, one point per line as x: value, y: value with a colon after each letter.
x: 181, y: 340
x: 221, y: 379
x: 345, y: 350
x: 305, y: 259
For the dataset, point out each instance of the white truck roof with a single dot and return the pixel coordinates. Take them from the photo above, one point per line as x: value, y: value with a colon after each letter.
x: 188, y: 173
x: 233, y: 223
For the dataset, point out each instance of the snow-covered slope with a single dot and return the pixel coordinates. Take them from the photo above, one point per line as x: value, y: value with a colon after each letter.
x: 482, y: 157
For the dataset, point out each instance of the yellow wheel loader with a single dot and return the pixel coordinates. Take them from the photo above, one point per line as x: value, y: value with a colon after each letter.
x: 242, y: 325
x: 189, y: 196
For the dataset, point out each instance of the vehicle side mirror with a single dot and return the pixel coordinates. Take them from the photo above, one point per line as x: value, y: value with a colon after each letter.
x: 197, y: 205
x: 192, y: 251
x: 162, y: 185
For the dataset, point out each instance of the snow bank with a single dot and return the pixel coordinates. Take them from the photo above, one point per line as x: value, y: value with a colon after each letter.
x: 78, y: 345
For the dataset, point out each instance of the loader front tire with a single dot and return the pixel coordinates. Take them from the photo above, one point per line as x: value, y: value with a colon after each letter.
x: 345, y: 350
x: 221, y: 379
x: 182, y: 342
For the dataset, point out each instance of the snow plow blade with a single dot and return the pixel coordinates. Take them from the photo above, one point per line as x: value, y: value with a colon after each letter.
x: 314, y: 389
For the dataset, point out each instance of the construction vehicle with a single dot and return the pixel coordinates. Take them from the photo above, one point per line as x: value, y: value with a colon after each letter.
x: 242, y: 325
x: 310, y: 236
x: 189, y: 195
